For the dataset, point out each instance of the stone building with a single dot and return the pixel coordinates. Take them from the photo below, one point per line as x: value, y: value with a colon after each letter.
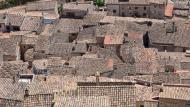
x: 2, y: 22
x: 13, y: 22
x: 11, y: 93
x: 181, y: 9
x: 76, y: 9
x: 137, y: 8
x: 174, y: 96
x: 124, y: 98
x: 171, y: 36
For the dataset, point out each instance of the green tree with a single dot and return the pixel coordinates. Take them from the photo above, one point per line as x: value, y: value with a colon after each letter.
x: 99, y: 2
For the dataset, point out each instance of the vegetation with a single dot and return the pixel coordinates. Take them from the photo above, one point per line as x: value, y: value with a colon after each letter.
x: 11, y: 3
x: 99, y: 2
x: 60, y: 8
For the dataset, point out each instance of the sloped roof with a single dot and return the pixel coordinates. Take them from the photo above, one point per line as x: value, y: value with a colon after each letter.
x: 10, y: 90
x: 113, y: 39
x: 181, y: 5
x: 165, y: 77
x: 179, y: 92
x: 82, y: 101
x: 157, y: 34
x: 78, y: 6
x: 169, y: 10
x: 182, y: 13
x: 2, y: 18
x: 14, y: 20
x: 79, y: 48
x: 12, y: 68
x: 87, y: 35
x: 69, y: 25
x: 144, y: 93
x: 31, y: 24
x: 106, y: 54
x: 41, y: 6
x: 93, y: 18
x: 144, y: 59
x: 59, y: 49
x: 89, y: 66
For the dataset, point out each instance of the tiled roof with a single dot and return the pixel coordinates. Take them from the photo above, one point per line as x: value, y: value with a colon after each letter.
x: 79, y: 48
x: 29, y: 39
x: 82, y: 101
x: 89, y: 66
x: 59, y: 38
x: 60, y: 49
x: 182, y: 13
x: 41, y: 6
x: 31, y: 24
x: 106, y: 54
x: 78, y: 6
x: 93, y: 19
x: 42, y: 43
x: 178, y: 92
x: 14, y: 20
x: 2, y: 18
x: 87, y: 35
x: 69, y: 25
x: 145, y: 2
x: 113, y: 39
x: 145, y: 60
x: 181, y: 5
x: 157, y: 34
x: 146, y: 78
x: 165, y: 77
x: 123, y: 69
x: 10, y: 90
x: 169, y: 10
x: 144, y: 93
x: 12, y: 68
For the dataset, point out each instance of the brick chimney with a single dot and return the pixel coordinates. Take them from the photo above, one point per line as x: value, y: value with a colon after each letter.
x: 97, y: 78
x: 26, y: 92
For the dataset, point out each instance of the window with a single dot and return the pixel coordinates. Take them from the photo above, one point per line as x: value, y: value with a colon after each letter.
x: 129, y: 8
x: 114, y: 11
x: 0, y: 26
x: 144, y: 14
x: 136, y: 8
x: 141, y: 105
x: 123, y: 14
x: 144, y: 8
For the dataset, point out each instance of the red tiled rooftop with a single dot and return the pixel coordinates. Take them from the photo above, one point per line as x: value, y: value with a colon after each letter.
x: 169, y: 10
x: 116, y: 39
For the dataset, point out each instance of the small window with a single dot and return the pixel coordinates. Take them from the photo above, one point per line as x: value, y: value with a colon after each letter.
x: 73, y: 49
x: 0, y: 26
x: 136, y: 8
x: 144, y: 14
x: 129, y: 8
x: 144, y: 8
x: 114, y: 11
x: 141, y: 105
x: 123, y: 14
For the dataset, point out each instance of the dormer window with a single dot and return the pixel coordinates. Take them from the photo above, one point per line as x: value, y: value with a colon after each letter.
x: 26, y: 78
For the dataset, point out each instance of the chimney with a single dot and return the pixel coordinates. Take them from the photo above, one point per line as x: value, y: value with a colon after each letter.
x: 26, y: 92
x: 97, y: 78
x: 164, y: 24
x: 173, y: 26
x: 17, y: 51
x: 45, y: 78
x: 14, y: 79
